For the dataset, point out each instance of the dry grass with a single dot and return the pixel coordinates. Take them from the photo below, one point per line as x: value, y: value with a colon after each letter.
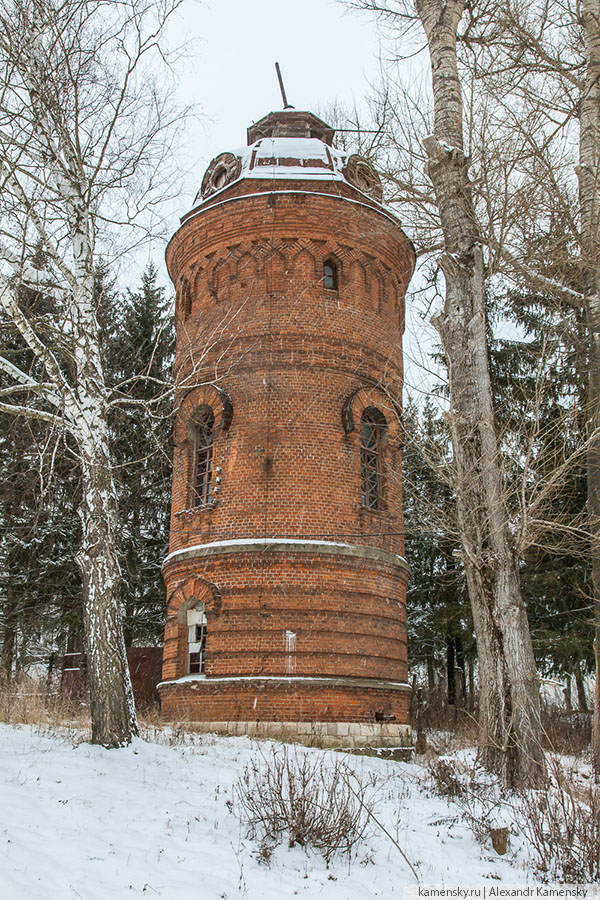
x: 448, y: 728
x: 444, y: 727
x: 28, y: 701
x: 566, y: 732
x: 31, y: 701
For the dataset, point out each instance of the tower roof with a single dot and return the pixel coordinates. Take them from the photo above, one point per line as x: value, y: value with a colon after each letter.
x: 292, y: 145
x: 291, y: 123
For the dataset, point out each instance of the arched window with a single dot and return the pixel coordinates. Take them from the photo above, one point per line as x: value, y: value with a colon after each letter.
x: 186, y: 300
x: 196, y: 624
x: 330, y: 275
x: 204, y: 421
x: 372, y: 431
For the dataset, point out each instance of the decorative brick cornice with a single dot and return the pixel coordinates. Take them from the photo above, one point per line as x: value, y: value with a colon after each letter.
x: 372, y: 683
x: 288, y: 545
x: 273, y: 261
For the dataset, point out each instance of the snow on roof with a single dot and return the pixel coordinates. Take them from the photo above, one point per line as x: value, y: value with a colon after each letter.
x: 284, y: 157
x: 289, y: 157
x: 274, y: 158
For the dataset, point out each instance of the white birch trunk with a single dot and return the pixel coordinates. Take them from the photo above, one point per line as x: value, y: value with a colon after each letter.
x: 509, y: 722
x: 111, y: 696
x: 589, y: 197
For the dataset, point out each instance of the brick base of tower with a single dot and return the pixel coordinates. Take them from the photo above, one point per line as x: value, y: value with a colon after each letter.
x: 309, y: 692
x: 321, y: 712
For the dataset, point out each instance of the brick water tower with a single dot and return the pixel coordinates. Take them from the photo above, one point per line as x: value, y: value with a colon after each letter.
x: 286, y: 580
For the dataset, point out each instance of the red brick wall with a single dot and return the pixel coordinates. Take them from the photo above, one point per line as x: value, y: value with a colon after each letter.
x: 348, y: 616
x: 281, y: 702
x: 289, y: 354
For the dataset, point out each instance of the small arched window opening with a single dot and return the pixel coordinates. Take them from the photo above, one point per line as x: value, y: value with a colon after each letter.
x: 186, y: 300
x: 372, y: 434
x: 203, y: 456
x: 196, y: 625
x: 330, y: 275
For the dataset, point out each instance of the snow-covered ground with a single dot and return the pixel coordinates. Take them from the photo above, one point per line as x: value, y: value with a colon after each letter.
x: 78, y: 822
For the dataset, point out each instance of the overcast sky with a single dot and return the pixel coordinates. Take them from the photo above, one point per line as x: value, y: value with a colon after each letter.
x: 325, y: 52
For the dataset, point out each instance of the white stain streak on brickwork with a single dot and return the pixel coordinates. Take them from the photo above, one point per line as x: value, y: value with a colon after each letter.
x: 290, y: 649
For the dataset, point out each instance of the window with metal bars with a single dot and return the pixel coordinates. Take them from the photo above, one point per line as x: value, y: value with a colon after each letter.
x: 372, y: 429
x: 203, y: 455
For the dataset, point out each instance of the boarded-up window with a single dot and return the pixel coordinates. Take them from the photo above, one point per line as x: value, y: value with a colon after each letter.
x: 196, y: 623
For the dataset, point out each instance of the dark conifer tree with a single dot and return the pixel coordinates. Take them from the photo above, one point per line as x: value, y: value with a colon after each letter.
x: 139, y: 359
x: 40, y: 583
x: 541, y: 379
x: 439, y: 626
x: 40, y: 587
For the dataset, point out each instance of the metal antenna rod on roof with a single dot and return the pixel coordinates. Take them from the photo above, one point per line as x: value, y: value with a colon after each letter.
x: 286, y: 105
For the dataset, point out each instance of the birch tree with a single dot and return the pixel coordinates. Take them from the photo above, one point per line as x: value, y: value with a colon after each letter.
x: 509, y: 718
x: 540, y: 63
x: 589, y: 197
x: 82, y: 159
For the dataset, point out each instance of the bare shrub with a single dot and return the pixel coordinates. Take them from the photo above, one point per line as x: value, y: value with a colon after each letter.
x: 562, y: 825
x: 444, y: 778
x: 316, y: 802
x: 566, y: 731
x: 479, y: 797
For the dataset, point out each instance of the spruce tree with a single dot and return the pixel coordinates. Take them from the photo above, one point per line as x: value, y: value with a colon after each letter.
x: 41, y: 600
x: 139, y: 359
x: 540, y: 374
x: 439, y: 625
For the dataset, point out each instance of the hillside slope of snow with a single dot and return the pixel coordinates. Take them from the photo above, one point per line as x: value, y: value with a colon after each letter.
x: 78, y: 822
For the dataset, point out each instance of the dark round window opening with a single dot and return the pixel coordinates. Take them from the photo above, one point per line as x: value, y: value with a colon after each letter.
x: 220, y: 178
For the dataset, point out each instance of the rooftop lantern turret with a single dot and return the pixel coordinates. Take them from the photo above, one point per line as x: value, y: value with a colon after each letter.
x: 291, y: 123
